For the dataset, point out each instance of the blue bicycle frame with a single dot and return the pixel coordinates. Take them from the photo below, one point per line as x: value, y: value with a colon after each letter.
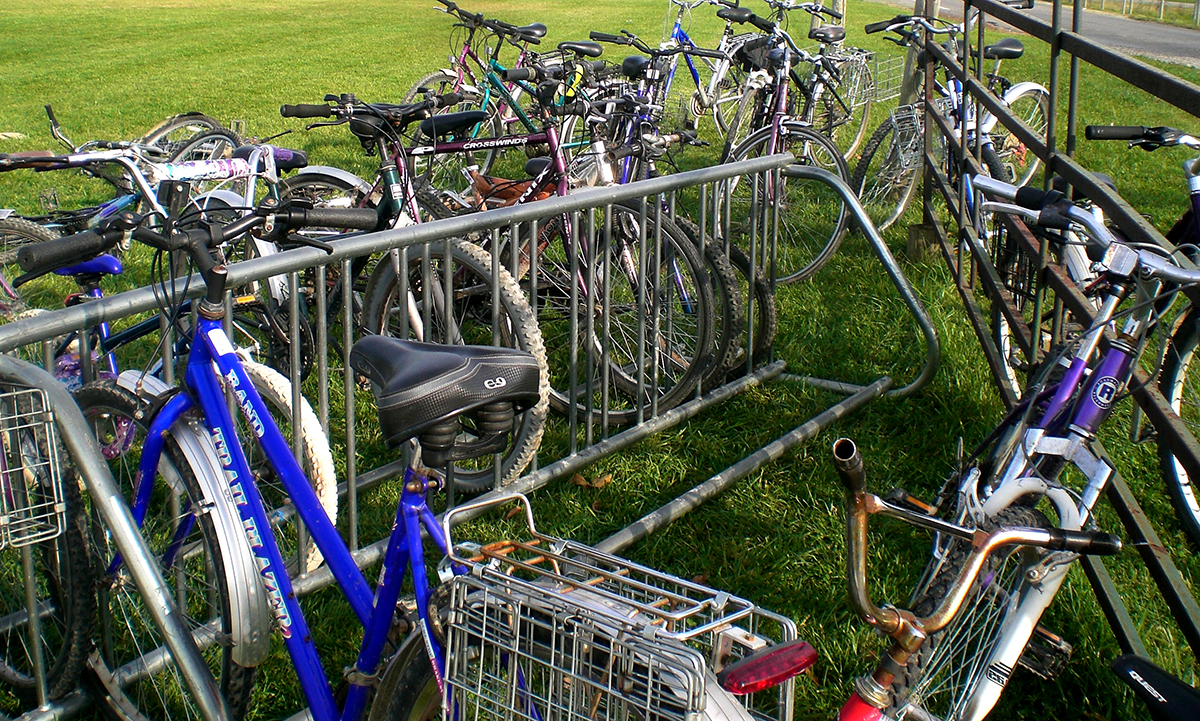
x: 212, y: 353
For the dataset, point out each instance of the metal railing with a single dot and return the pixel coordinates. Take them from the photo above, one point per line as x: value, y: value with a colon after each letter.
x: 966, y: 255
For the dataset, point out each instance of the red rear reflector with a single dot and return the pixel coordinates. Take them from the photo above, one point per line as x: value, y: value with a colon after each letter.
x: 769, y: 667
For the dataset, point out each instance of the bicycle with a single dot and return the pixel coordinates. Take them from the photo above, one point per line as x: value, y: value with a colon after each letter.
x: 891, y: 166
x: 971, y: 653
x: 812, y: 218
x: 1178, y: 339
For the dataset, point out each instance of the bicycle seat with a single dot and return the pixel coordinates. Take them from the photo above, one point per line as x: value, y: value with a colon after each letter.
x: 285, y: 158
x: 1006, y: 49
x: 417, y: 385
x: 1169, y: 698
x: 591, y: 50
x: 437, y: 126
x: 535, y: 166
x: 737, y: 15
x: 100, y: 265
x: 776, y: 56
x: 536, y: 30
x: 634, y: 65
x: 828, y: 34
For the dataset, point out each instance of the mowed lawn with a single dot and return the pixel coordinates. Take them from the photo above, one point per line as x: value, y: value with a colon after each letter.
x: 113, y: 70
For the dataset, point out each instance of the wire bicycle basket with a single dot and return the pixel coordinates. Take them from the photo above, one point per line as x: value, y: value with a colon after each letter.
x: 32, y: 509
x: 553, y: 630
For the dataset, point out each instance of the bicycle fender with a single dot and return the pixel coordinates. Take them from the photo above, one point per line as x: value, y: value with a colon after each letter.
x: 412, y: 650
x: 338, y: 173
x: 989, y: 120
x: 250, y: 637
x: 224, y: 197
x: 5, y: 212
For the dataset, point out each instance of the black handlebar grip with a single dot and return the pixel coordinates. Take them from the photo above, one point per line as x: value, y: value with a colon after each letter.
x: 1035, y: 198
x: 44, y: 257
x: 576, y: 107
x: 608, y: 38
x: 761, y: 23
x: 1114, y: 132
x: 885, y: 24
x: 513, y: 74
x: 1092, y: 543
x: 832, y: 13
x: 705, y: 53
x: 449, y: 99
x: 306, y: 111
x: 356, y: 218
x: 848, y: 462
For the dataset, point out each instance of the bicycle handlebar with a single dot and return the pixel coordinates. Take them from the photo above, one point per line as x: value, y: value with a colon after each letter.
x: 306, y: 111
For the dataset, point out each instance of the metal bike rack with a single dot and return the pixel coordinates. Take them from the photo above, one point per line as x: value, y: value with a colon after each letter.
x: 975, y: 272
x: 591, y: 438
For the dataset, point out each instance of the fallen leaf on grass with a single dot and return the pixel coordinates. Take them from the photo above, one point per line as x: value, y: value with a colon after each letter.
x: 11, y: 136
x: 600, y: 482
x: 514, y: 511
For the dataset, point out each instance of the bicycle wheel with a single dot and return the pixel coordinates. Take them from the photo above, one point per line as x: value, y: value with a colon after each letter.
x: 422, y: 315
x: 729, y: 305
x: 812, y: 217
x: 727, y: 96
x: 446, y: 171
x: 646, y: 342
x: 61, y: 579
x: 208, y: 145
x: 1180, y: 384
x: 887, y: 174
x: 1032, y: 107
x: 940, y: 680
x: 415, y: 696
x: 276, y: 392
x: 743, y: 121
x: 136, y: 680
x: 41, y: 293
x: 176, y: 130
x: 765, y: 320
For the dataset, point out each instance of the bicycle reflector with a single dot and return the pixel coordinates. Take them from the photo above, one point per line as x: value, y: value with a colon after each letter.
x: 769, y: 667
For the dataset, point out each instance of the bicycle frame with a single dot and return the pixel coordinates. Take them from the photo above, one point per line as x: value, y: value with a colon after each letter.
x: 213, y: 359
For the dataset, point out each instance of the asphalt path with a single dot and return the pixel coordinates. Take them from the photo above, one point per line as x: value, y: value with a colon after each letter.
x: 1168, y: 43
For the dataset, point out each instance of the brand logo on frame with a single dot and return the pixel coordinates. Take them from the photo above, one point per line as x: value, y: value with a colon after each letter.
x: 1105, y: 391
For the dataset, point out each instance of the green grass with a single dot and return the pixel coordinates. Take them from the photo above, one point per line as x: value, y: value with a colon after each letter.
x: 113, y: 71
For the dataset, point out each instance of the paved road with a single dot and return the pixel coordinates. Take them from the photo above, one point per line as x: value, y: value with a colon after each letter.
x: 1154, y: 40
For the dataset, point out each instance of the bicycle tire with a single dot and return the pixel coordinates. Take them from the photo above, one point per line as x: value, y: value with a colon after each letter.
x: 472, y: 287
x: 743, y: 122
x: 1033, y: 108
x: 125, y: 632
x: 62, y: 569
x: 1180, y: 391
x: 318, y: 466
x: 729, y: 305
x: 988, y: 598
x: 810, y: 229
x: 634, y: 380
x: 728, y: 94
x: 172, y: 132
x: 765, y: 310
x: 415, y: 696
x: 208, y: 145
x: 883, y: 178
x: 14, y: 234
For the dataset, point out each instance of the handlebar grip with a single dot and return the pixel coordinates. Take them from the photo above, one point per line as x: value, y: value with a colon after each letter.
x: 848, y: 462
x: 1114, y: 132
x: 609, y: 38
x: 577, y: 107
x: 449, y: 100
x: 514, y: 74
x: 832, y: 13
x: 1092, y: 543
x: 885, y: 24
x: 761, y: 23
x: 705, y: 53
x: 355, y: 218
x: 306, y: 111
x: 46, y: 256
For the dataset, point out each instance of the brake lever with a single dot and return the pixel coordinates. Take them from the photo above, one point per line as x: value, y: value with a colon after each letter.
x: 1145, y: 144
x: 323, y: 124
x: 311, y: 242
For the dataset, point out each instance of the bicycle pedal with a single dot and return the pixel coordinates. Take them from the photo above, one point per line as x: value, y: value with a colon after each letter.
x: 1046, y: 655
x: 900, y: 497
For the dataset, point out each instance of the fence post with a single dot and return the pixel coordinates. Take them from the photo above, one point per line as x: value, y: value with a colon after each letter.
x: 1196, y: 13
x: 1161, y: 6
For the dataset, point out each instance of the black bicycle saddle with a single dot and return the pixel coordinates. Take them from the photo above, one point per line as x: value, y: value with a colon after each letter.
x: 437, y: 126
x: 418, y: 385
x: 587, y: 49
